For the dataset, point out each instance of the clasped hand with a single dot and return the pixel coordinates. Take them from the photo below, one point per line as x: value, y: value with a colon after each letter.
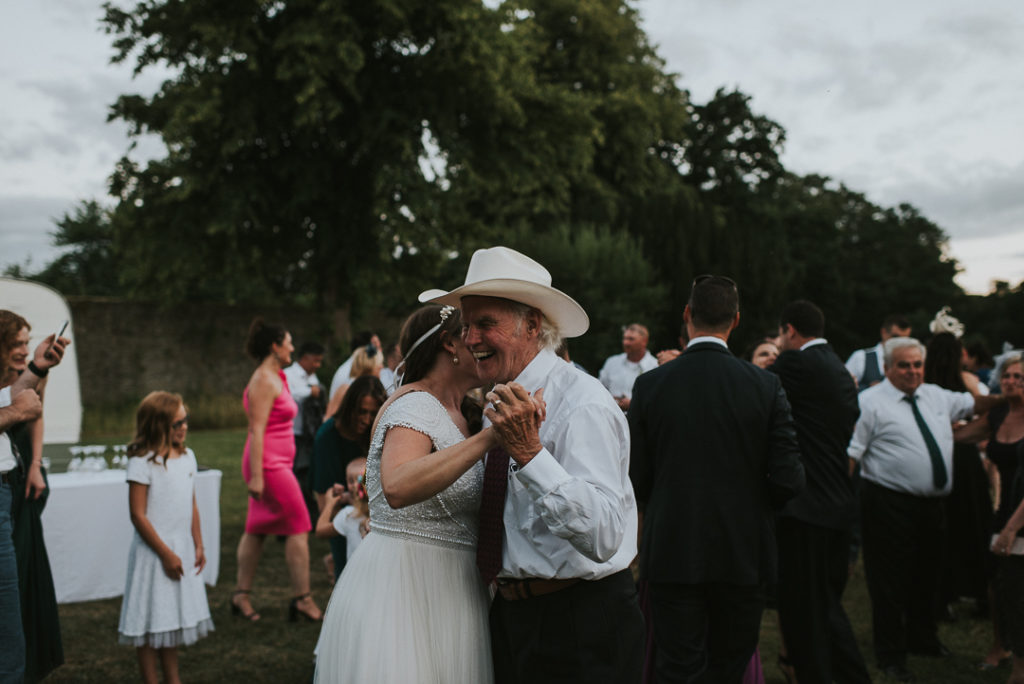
x: 516, y: 417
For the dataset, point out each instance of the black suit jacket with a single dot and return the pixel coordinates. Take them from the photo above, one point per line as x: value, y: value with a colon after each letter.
x: 714, y: 453
x: 823, y: 398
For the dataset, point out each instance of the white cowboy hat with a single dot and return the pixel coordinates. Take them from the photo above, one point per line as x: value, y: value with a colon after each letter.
x: 505, y: 273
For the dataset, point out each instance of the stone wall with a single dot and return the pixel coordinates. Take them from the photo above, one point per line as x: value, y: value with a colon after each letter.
x: 127, y: 349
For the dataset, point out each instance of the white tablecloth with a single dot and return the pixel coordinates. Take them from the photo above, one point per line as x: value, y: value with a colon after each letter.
x: 87, y: 531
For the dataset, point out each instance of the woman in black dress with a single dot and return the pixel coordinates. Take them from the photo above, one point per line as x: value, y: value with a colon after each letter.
x: 44, y: 650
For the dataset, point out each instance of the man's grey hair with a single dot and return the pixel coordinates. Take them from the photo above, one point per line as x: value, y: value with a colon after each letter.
x: 890, y: 346
x: 550, y: 337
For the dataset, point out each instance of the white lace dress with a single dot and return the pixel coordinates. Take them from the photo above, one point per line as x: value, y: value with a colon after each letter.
x: 158, y: 611
x: 410, y: 607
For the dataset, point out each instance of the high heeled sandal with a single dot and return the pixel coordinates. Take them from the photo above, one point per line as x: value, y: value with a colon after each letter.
x: 294, y: 611
x: 236, y: 610
x: 787, y: 669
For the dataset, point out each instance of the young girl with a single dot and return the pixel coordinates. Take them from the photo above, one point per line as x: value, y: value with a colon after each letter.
x: 164, y: 597
x: 353, y: 520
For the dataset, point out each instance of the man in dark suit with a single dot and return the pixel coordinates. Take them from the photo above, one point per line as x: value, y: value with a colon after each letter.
x: 714, y: 451
x: 814, y: 528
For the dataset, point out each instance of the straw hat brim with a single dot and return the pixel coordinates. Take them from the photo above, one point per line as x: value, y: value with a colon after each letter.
x: 561, y: 309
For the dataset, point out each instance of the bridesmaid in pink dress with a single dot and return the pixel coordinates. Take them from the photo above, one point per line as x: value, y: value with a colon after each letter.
x: 276, y: 505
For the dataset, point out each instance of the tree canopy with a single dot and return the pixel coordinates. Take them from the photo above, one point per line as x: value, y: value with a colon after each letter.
x: 347, y: 155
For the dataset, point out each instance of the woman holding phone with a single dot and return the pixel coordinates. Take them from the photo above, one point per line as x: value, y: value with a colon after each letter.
x: 276, y: 505
x: 44, y: 650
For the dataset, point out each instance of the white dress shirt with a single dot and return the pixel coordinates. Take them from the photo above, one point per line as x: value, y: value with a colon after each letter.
x: 7, y: 460
x: 570, y: 512
x: 341, y: 376
x: 619, y: 373
x: 855, y: 364
x: 300, y: 384
x: 888, y: 442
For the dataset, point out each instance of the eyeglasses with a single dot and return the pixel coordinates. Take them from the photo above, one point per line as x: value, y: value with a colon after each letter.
x: 904, y: 365
x: 723, y: 280
x: 1013, y: 376
x: 178, y: 424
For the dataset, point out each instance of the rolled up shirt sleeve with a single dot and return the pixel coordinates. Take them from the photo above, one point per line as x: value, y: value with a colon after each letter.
x: 585, y: 495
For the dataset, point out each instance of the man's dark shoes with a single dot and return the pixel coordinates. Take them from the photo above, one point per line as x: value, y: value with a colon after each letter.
x: 898, y: 673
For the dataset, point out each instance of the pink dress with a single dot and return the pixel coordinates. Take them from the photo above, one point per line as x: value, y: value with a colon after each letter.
x: 281, y: 509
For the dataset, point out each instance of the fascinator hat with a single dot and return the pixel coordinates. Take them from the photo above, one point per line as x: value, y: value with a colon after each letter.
x: 945, y: 322
x: 505, y: 273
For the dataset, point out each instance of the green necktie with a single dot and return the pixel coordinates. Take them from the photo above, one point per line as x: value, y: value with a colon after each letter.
x: 939, y: 476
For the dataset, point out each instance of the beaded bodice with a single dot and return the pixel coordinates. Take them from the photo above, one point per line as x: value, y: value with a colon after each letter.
x: 446, y: 519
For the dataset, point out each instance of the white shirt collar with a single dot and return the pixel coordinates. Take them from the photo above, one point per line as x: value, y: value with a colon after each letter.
x: 814, y: 342
x: 707, y: 338
x: 537, y: 370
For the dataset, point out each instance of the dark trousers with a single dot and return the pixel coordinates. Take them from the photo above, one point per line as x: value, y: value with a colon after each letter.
x: 590, y: 632
x: 12, y: 638
x: 903, y: 538
x: 813, y: 570
x: 704, y: 632
x: 1009, y: 593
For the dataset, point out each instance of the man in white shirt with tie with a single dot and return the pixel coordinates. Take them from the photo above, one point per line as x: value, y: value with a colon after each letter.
x: 904, y: 442
x: 621, y: 370
x: 565, y: 608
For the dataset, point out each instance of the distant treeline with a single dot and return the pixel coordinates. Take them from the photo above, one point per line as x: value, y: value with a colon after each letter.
x: 340, y: 157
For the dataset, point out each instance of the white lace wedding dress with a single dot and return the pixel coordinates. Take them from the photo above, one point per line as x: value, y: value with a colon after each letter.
x: 410, y: 607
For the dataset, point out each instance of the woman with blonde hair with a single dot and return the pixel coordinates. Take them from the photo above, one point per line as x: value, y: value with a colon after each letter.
x: 366, y: 360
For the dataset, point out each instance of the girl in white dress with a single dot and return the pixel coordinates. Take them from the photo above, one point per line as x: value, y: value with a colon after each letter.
x: 164, y: 602
x: 410, y: 607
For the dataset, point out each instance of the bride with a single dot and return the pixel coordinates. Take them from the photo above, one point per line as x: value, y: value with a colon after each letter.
x: 410, y: 606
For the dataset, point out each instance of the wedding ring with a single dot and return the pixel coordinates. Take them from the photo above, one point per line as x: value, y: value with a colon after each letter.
x: 495, y: 403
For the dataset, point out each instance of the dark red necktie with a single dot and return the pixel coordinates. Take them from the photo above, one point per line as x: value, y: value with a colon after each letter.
x: 492, y: 513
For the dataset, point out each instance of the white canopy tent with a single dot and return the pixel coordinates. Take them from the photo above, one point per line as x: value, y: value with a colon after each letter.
x: 46, y: 310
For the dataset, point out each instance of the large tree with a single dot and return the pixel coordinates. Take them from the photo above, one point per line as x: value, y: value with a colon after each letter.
x: 338, y: 149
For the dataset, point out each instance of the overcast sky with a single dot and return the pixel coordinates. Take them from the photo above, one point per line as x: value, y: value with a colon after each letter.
x: 913, y: 101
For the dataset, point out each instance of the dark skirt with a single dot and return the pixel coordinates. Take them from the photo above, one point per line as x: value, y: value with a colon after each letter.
x: 44, y: 650
x: 969, y: 525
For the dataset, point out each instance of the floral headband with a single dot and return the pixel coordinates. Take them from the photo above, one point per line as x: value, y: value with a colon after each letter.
x: 446, y: 311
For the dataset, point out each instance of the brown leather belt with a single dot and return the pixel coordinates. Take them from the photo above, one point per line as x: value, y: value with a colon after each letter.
x: 7, y: 478
x: 517, y: 589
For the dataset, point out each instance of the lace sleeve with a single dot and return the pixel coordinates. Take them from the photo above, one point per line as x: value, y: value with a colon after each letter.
x: 418, y: 411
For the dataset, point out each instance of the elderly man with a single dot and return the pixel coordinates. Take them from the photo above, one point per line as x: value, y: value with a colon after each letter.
x: 565, y: 609
x: 865, y: 365
x: 813, y: 529
x: 621, y: 370
x: 18, y: 403
x: 714, y: 451
x: 904, y: 442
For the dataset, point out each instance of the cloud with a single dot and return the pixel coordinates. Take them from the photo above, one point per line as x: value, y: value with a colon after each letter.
x: 26, y: 227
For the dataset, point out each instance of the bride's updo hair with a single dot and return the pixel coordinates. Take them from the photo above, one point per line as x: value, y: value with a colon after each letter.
x: 420, y: 360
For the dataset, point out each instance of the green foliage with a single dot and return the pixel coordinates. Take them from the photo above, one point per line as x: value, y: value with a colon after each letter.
x: 88, y: 267
x: 344, y: 156
x: 607, y: 274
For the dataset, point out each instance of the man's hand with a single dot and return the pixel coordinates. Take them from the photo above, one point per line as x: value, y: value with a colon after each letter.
x: 516, y: 418
x: 26, y: 406
x: 314, y: 391
x: 666, y: 355
x: 50, y: 352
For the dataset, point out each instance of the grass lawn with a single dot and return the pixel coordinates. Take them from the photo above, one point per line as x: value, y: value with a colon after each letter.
x: 274, y: 650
